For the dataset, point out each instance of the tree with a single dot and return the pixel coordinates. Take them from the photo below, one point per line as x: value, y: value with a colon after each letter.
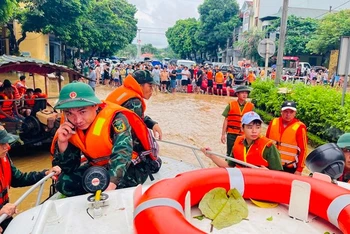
x: 93, y: 25
x: 48, y: 16
x: 299, y: 31
x: 7, y: 8
x: 327, y: 35
x: 218, y: 19
x: 148, y: 48
x: 249, y: 44
x: 183, y: 37
x: 130, y: 51
x: 112, y: 27
x: 169, y: 53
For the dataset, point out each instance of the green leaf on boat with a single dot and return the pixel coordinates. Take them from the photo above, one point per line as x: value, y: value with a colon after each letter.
x: 269, y: 218
x: 223, y: 209
x: 199, y: 217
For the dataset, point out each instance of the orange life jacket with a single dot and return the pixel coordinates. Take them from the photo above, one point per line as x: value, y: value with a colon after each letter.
x: 21, y: 88
x: 15, y: 92
x: 235, y: 114
x: 29, y: 101
x: 210, y: 75
x: 219, y: 78
x: 96, y: 144
x: 5, y: 180
x: 7, y: 106
x: 251, y: 77
x: 129, y: 89
x: 286, y: 142
x: 254, y: 155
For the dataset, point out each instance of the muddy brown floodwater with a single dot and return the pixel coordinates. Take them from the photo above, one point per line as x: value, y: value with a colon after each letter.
x: 189, y: 119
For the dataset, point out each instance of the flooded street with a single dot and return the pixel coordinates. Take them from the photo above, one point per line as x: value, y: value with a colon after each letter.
x: 190, y: 119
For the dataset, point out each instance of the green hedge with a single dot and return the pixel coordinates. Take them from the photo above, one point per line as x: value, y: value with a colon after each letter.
x: 318, y: 107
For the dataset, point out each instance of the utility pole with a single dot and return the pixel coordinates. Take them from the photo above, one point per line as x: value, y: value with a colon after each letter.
x: 233, y: 46
x: 283, y: 29
x: 138, y: 43
x: 227, y: 46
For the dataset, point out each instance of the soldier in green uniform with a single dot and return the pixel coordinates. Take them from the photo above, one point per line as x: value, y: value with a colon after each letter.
x: 102, y: 133
x: 10, y: 176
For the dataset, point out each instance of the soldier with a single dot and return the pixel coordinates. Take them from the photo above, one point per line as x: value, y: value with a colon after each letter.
x: 102, y: 132
x: 231, y: 127
x: 344, y: 144
x: 131, y: 95
x: 10, y: 176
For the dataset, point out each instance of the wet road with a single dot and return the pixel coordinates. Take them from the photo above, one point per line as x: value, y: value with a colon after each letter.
x: 189, y: 119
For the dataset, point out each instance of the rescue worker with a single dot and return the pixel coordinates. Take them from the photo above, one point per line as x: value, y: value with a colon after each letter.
x: 219, y: 79
x: 251, y: 147
x: 290, y: 136
x: 8, y: 108
x: 231, y: 127
x: 251, y: 77
x: 40, y: 101
x: 102, y: 132
x: 21, y: 85
x: 10, y: 176
x: 344, y: 144
x: 11, y: 89
x: 131, y: 95
x: 29, y: 101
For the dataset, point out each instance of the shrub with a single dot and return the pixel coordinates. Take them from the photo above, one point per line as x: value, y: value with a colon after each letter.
x: 318, y: 107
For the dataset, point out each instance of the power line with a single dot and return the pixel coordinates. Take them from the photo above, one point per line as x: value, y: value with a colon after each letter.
x: 332, y: 9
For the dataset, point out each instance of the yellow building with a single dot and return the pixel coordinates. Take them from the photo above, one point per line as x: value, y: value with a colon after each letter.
x: 35, y: 45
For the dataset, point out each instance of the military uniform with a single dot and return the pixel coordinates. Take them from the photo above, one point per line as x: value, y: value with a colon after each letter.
x: 135, y: 105
x: 122, y: 171
x: 10, y: 176
x: 131, y: 96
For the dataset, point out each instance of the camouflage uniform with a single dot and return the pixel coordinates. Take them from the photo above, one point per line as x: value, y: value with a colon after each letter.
x: 135, y: 105
x: 20, y: 179
x: 123, y: 173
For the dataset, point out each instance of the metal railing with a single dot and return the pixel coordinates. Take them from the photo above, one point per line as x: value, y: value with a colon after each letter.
x: 40, y: 184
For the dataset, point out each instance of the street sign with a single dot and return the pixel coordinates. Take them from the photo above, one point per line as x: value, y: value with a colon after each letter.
x: 266, y: 47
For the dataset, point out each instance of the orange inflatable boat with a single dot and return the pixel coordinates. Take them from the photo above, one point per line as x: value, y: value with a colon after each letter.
x: 161, y: 208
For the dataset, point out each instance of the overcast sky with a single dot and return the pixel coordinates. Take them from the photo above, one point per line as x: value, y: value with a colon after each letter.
x: 156, y: 16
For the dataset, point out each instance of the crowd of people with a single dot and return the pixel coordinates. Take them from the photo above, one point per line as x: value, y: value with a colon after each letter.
x: 170, y: 78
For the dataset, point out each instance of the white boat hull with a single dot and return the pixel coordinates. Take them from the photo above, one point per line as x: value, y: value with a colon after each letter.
x: 71, y: 215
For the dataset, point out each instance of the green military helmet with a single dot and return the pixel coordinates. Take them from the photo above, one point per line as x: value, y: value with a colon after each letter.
x: 75, y: 95
x: 344, y: 141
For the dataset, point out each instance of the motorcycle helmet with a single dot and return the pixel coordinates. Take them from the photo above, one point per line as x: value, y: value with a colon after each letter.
x: 327, y: 159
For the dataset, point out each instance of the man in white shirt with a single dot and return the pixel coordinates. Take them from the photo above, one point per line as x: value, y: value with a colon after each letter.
x: 186, y: 74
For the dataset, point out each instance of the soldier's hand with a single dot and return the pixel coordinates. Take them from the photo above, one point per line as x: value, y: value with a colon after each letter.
x: 64, y: 132
x: 157, y: 132
x: 9, y: 209
x: 55, y: 169
x: 111, y: 186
